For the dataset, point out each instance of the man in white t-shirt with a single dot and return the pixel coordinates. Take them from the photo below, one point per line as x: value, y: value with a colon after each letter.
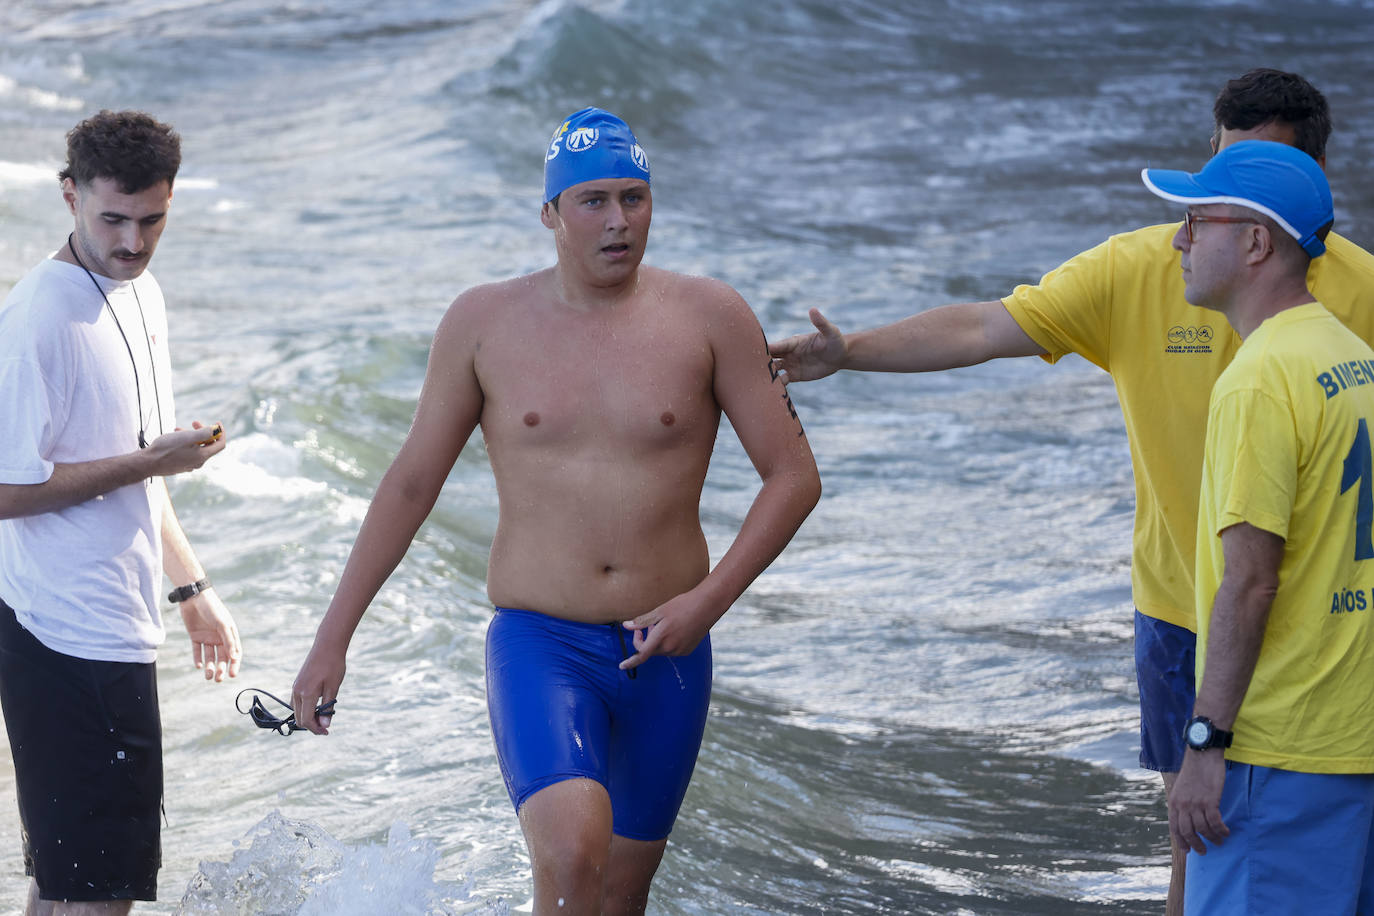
x: 87, y: 529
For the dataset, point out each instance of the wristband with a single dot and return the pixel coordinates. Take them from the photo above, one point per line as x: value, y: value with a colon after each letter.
x: 189, y: 591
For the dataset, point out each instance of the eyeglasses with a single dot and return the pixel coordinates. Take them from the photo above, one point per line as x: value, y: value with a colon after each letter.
x: 264, y: 719
x: 1189, y: 218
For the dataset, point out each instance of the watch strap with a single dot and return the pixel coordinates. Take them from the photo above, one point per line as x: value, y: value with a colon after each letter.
x: 178, y: 595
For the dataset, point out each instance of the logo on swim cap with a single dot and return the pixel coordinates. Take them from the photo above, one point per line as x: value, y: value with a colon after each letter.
x: 554, y: 145
x: 582, y: 139
x: 604, y: 147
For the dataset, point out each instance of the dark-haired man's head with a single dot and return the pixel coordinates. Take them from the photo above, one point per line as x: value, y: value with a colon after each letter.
x: 118, y: 187
x: 1266, y: 104
x: 130, y: 148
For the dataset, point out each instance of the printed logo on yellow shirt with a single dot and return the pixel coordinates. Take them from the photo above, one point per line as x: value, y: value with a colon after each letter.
x: 1347, y: 601
x: 1346, y: 375
x: 1184, y: 339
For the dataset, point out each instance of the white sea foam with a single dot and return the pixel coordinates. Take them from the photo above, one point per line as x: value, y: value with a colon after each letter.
x: 258, y: 466
x: 185, y: 183
x: 289, y: 866
x: 13, y: 91
x: 15, y: 175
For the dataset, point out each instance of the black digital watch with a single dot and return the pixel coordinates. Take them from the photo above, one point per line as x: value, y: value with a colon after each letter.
x: 1200, y: 734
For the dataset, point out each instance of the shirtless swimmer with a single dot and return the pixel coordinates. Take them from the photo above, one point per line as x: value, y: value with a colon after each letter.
x: 599, y: 423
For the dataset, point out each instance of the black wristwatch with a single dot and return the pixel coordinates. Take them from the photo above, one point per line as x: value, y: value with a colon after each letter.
x: 179, y: 595
x: 1200, y: 734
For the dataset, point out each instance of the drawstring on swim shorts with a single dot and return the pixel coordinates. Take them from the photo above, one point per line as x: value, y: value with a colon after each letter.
x: 624, y: 651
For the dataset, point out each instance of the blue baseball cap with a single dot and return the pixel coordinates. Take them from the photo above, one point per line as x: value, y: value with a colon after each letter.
x: 1280, y: 181
x: 589, y: 145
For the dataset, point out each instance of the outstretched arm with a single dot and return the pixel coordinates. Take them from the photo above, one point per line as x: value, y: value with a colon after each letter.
x: 449, y: 408
x: 763, y: 417
x: 1235, y: 635
x: 942, y: 338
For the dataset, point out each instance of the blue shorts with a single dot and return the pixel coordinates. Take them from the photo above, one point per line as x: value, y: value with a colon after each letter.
x: 1299, y: 843
x: 561, y: 708
x: 1165, y: 663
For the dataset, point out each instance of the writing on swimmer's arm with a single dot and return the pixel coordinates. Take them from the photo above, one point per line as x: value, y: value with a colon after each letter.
x: 773, y: 374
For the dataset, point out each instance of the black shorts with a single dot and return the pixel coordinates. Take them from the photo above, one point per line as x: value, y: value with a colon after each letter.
x: 87, y: 745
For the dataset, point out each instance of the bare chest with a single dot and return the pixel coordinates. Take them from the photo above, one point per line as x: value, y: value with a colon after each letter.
x: 627, y: 389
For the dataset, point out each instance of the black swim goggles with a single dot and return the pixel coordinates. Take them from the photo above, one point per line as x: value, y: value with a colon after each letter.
x: 264, y: 719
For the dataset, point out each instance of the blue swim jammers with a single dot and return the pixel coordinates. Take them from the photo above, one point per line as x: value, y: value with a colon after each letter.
x: 561, y: 708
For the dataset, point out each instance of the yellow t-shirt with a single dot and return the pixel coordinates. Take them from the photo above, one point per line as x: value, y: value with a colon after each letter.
x: 1120, y: 305
x: 1289, y: 451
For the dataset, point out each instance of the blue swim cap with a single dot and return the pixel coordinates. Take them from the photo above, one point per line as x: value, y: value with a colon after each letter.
x: 592, y: 144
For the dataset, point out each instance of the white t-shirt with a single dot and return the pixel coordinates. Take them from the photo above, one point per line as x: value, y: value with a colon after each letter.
x: 84, y: 580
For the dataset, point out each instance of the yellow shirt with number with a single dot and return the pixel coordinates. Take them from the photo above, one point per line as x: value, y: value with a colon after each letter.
x: 1120, y: 305
x: 1289, y: 451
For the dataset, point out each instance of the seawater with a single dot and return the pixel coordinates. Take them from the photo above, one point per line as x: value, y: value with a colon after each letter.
x: 927, y: 705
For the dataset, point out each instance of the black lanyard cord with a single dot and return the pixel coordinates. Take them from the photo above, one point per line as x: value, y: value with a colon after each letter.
x: 138, y: 389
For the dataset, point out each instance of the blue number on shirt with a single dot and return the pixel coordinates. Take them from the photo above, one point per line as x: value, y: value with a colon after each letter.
x: 1359, y: 465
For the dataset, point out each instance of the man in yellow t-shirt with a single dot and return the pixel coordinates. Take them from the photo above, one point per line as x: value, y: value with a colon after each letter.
x: 1275, y: 797
x: 1121, y: 306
